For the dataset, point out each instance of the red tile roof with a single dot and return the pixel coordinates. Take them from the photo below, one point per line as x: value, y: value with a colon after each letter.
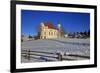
x: 49, y: 25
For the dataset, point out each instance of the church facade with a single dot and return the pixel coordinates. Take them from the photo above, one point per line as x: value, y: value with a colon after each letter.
x: 49, y: 31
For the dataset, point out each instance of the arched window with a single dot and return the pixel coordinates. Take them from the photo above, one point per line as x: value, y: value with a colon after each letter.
x: 55, y: 33
x: 44, y: 33
x: 49, y: 33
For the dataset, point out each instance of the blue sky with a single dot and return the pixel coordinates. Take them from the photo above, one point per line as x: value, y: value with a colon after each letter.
x: 70, y: 21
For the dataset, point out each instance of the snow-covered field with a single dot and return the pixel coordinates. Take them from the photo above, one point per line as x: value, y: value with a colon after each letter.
x: 77, y: 49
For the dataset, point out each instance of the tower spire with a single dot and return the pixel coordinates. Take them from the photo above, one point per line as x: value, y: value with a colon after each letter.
x: 59, y: 25
x: 59, y: 29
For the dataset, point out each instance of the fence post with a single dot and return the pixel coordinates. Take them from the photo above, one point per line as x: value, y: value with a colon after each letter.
x: 28, y: 55
x: 59, y: 56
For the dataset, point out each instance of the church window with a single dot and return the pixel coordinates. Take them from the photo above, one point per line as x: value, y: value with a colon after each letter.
x: 44, y: 33
x: 49, y: 33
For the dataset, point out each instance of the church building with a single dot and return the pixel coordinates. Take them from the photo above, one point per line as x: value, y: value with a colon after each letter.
x: 49, y: 31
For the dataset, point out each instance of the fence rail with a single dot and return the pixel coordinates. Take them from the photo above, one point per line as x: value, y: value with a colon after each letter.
x: 48, y: 56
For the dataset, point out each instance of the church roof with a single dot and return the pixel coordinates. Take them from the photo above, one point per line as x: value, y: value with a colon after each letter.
x: 49, y: 25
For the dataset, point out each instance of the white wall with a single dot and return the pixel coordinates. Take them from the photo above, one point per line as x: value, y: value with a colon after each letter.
x: 5, y: 37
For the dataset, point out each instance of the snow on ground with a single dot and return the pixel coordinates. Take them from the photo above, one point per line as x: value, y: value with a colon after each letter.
x: 66, y: 46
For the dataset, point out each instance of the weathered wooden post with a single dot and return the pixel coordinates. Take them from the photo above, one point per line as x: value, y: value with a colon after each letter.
x: 28, y: 55
x: 26, y: 52
x: 59, y: 56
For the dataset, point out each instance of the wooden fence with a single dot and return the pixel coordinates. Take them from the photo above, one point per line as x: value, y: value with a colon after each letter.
x: 28, y: 54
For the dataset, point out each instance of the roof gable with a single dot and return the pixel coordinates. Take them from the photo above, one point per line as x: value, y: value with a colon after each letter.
x: 49, y: 25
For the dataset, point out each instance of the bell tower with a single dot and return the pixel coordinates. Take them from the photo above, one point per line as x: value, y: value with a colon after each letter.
x: 41, y: 30
x: 59, y: 29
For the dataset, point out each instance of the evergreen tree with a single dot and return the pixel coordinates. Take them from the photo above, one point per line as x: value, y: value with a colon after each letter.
x: 30, y: 36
